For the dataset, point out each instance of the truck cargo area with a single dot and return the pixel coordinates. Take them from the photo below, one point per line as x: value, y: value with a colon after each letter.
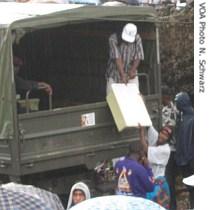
x: 73, y: 59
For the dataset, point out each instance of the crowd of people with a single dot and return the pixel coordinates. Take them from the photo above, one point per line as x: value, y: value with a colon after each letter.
x: 152, y: 164
x: 151, y: 167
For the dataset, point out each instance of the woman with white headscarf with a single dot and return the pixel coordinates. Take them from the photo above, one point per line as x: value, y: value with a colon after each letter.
x: 79, y: 192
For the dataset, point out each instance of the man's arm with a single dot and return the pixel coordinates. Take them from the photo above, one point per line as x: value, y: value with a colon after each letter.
x: 120, y: 68
x: 142, y: 138
x: 133, y: 71
x: 22, y: 84
x: 115, y: 54
x: 138, y: 57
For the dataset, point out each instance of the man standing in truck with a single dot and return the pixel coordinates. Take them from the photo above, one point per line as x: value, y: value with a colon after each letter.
x: 125, y: 54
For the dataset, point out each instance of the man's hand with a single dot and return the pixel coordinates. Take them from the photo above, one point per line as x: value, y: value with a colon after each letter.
x: 132, y: 74
x: 124, y: 79
x: 144, y: 161
x: 120, y: 67
x: 46, y: 87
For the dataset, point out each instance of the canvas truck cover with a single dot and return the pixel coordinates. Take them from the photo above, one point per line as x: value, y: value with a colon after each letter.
x: 25, y: 17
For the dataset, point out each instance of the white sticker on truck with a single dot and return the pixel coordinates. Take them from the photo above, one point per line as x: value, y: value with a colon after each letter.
x: 88, y: 119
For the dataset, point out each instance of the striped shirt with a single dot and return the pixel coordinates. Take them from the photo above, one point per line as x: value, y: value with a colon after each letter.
x: 128, y: 52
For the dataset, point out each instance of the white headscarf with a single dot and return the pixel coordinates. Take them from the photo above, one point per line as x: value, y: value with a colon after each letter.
x: 78, y: 186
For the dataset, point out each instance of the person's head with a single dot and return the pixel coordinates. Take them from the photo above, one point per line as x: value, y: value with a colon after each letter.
x: 136, y: 150
x: 164, y: 135
x: 18, y: 63
x: 166, y: 95
x: 79, y: 192
x: 129, y: 33
x: 78, y: 196
x: 183, y: 101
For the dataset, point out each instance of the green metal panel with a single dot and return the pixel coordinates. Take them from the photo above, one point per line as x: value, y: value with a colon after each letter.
x: 59, y: 136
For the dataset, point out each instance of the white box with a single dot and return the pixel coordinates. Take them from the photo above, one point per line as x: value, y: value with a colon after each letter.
x: 127, y: 106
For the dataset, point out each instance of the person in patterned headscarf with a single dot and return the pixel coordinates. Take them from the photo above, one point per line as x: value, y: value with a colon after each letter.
x: 169, y: 110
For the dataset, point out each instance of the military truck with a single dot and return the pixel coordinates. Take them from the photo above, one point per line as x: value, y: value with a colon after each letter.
x: 67, y: 47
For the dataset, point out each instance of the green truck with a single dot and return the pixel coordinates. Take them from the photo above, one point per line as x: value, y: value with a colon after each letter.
x: 67, y: 46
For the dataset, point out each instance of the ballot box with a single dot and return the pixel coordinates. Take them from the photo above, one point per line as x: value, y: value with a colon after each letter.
x: 127, y: 106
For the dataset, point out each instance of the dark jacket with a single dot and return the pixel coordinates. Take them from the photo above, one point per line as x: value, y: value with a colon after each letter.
x: 184, y: 130
x: 25, y: 85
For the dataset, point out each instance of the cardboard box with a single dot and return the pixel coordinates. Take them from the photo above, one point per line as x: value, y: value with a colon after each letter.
x: 127, y: 106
